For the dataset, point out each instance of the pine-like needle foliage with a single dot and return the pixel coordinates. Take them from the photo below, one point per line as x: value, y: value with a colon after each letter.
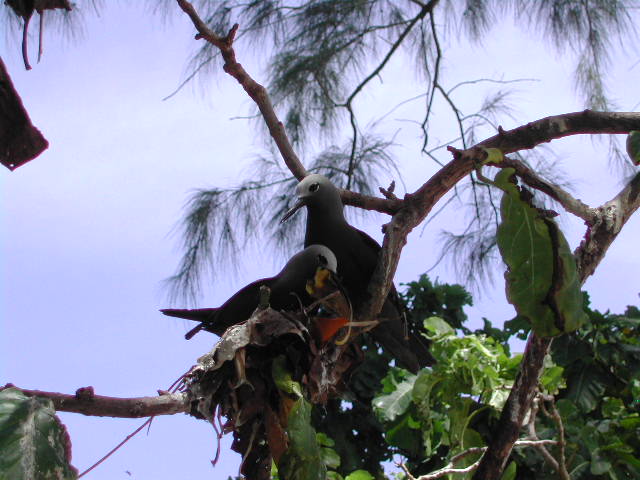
x: 220, y: 223
x: 322, y: 54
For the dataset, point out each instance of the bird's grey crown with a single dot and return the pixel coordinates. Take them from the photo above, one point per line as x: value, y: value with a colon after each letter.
x: 314, y: 184
x: 320, y: 196
x: 325, y: 255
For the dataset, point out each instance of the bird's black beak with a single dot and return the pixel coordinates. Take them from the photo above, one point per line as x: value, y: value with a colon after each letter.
x: 301, y: 203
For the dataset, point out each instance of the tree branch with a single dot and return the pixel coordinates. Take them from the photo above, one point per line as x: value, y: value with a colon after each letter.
x: 533, y: 435
x: 87, y: 403
x: 564, y: 198
x: 555, y: 415
x: 256, y: 91
x: 450, y: 470
x: 558, y: 126
x: 610, y: 218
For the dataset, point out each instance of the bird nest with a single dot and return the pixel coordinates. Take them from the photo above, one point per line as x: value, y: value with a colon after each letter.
x: 256, y: 377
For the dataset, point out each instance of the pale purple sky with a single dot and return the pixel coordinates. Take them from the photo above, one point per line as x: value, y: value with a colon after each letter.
x: 86, y: 225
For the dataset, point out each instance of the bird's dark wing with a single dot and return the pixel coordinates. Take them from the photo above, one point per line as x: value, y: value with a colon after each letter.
x: 370, y: 242
x: 236, y: 309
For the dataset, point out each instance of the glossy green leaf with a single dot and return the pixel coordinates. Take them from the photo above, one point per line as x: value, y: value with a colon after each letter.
x: 282, y: 377
x: 437, y: 326
x: 542, y: 280
x: 359, y: 475
x: 510, y: 472
x: 34, y: 444
x: 303, y: 459
x: 586, y: 389
x: 329, y: 456
x: 391, y: 405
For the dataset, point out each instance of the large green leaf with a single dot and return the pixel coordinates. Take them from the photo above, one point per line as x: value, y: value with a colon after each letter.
x: 303, y: 459
x: 586, y: 387
x: 359, y: 475
x: 34, y: 444
x: 542, y: 279
x: 390, y: 406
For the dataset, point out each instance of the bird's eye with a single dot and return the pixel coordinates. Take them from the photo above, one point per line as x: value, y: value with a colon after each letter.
x: 322, y: 260
x: 314, y: 187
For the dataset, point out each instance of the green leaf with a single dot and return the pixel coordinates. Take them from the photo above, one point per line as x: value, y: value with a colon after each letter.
x: 510, y: 472
x: 33, y: 441
x: 303, y: 459
x: 359, y: 475
x: 402, y: 434
x: 324, y: 440
x: 542, y: 279
x: 585, y: 388
x: 599, y: 465
x: 329, y: 456
x: 633, y: 146
x: 390, y: 406
x: 282, y: 377
x: 552, y: 379
x: 438, y: 327
x: 334, y: 476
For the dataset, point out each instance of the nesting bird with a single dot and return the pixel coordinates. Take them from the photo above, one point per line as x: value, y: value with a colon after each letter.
x: 288, y: 291
x: 357, y: 257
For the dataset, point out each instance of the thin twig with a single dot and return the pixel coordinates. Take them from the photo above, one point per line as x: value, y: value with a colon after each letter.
x: 114, y: 449
x: 450, y: 469
x: 555, y: 415
x: 533, y: 435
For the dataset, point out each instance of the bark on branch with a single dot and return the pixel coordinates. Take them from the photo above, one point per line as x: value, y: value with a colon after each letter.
x: 558, y: 126
x: 86, y: 402
x: 256, y: 91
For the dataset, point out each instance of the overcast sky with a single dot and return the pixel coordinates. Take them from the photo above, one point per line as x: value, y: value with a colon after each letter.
x: 86, y: 225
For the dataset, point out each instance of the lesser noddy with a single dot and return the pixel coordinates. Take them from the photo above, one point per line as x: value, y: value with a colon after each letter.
x: 288, y: 292
x: 357, y: 257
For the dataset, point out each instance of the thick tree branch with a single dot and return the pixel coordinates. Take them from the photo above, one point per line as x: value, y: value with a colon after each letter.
x: 558, y: 126
x: 611, y: 217
x: 256, y: 91
x: 507, y: 430
x: 415, y: 207
x: 87, y: 403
